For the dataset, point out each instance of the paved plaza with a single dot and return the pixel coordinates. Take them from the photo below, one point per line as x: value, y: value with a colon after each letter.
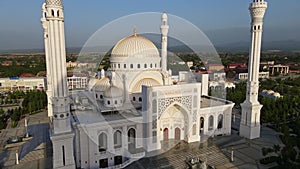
x: 36, y: 153
x: 33, y: 154
x: 217, y: 152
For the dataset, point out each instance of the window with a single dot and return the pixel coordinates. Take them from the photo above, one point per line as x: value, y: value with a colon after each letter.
x: 220, y: 121
x: 102, y: 142
x: 133, y: 98
x: 145, y: 66
x: 57, y: 13
x: 52, y: 12
x: 131, y: 66
x: 140, y: 99
x: 96, y: 96
x: 118, y: 139
x: 103, y: 163
x: 138, y: 66
x: 124, y: 66
x: 155, y: 65
x: 119, y: 66
x: 108, y: 102
x: 101, y: 96
x: 116, y: 102
x: 64, y: 155
x: 151, y: 65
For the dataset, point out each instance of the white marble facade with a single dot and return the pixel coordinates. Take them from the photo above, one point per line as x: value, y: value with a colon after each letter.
x: 130, y: 110
x: 135, y: 108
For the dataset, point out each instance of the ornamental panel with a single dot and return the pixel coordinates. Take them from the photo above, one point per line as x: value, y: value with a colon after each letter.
x: 164, y: 103
x: 54, y: 2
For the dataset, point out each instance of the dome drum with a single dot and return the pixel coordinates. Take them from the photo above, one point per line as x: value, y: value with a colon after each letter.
x: 135, y: 63
x: 113, y: 97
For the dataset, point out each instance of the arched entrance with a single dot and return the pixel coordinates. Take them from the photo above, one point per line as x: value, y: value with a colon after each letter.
x: 166, y: 134
x: 201, y: 125
x: 174, y: 122
x: 131, y: 140
x: 177, y: 133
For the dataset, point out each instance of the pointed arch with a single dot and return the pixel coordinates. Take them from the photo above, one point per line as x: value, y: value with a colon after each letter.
x: 118, y: 139
x: 102, y: 142
x: 220, y: 121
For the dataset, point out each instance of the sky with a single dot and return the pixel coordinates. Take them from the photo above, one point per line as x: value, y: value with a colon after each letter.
x: 224, y: 21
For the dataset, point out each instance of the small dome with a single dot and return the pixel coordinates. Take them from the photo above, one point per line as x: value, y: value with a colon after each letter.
x: 101, y: 85
x: 144, y: 82
x: 113, y: 91
x: 135, y: 46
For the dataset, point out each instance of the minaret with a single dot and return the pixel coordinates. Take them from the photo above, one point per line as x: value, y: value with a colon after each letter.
x: 250, y: 120
x: 46, y: 41
x: 61, y: 133
x: 164, y: 28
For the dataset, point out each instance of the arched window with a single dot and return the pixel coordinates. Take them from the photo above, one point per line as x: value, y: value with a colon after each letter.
x: 145, y: 65
x: 155, y: 65
x: 57, y: 13
x: 133, y: 98
x: 118, y: 139
x: 131, y: 66
x: 151, y: 65
x: 108, y: 102
x: 220, y: 121
x: 131, y: 135
x: 138, y: 66
x: 116, y: 102
x: 124, y: 66
x: 102, y: 142
x: 119, y: 66
x: 52, y: 12
x: 96, y: 96
x: 101, y: 96
x: 140, y: 99
x: 211, y: 122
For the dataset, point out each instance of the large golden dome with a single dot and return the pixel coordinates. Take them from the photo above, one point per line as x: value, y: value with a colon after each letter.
x: 135, y: 46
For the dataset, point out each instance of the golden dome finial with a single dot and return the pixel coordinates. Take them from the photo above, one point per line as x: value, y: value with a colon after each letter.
x: 134, y: 31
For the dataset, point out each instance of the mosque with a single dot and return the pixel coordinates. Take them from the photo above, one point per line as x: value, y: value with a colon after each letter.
x: 132, y: 109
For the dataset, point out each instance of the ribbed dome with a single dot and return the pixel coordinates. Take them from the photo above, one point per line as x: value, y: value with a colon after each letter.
x: 146, y: 82
x: 102, y: 84
x: 113, y: 92
x: 135, y: 46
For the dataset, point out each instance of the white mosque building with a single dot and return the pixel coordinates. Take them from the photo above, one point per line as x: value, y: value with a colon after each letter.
x: 132, y: 109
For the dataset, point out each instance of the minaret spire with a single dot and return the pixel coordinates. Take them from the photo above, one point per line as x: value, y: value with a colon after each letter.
x: 250, y: 120
x: 62, y: 135
x: 164, y: 28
